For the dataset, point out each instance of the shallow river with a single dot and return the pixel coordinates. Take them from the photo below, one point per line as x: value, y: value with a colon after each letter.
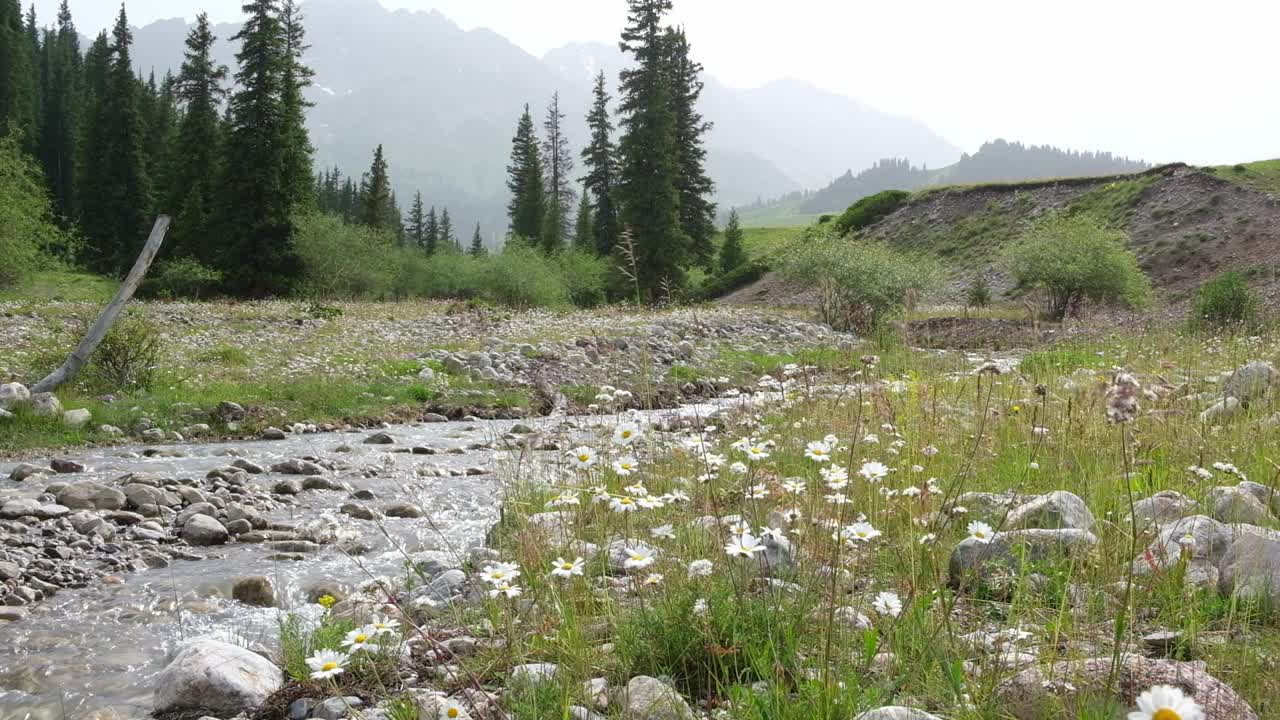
x: 94, y: 652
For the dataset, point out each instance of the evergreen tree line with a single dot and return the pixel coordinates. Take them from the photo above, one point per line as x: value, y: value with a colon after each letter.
x: 231, y: 162
x: 646, y: 196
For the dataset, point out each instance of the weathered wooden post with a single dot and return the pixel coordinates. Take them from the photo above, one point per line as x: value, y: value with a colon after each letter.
x: 93, y: 338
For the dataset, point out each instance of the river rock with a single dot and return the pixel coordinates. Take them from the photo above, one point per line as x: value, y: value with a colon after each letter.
x: 287, y: 487
x: 1236, y: 505
x: 1055, y: 511
x: 442, y: 587
x: 145, y: 497
x: 200, y: 508
x: 434, y: 418
x: 380, y: 438
x: 13, y: 394
x: 778, y: 558
x: 6, y: 415
x: 1250, y: 381
x: 358, y: 511
x: 255, y: 590
x: 973, y: 559
x: 63, y: 466
x: 91, y: 496
x: 27, y: 470
x: 1201, y: 538
x: 647, y: 698
x: 46, y: 405
x: 1033, y: 693
x: 316, y: 482
x: 402, y: 510
x: 204, y: 530
x: 76, y: 418
x: 29, y: 507
x: 336, y: 708
x: 229, y: 411
x: 217, y: 677
x: 273, y: 433
x: 248, y: 466
x: 896, y: 712
x: 297, y: 466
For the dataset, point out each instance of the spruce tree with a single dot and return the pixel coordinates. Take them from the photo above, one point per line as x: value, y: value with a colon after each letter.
x: 297, y: 78
x: 60, y: 128
x: 600, y: 160
x: 477, y: 244
x: 557, y: 164
x: 524, y: 180
x: 732, y: 253
x: 432, y: 241
x: 116, y: 202
x: 446, y: 240
x: 582, y: 235
x: 417, y: 230
x: 650, y: 168
x: 195, y: 173
x: 161, y: 123
x: 18, y: 86
x: 256, y: 207
x: 377, y: 194
x: 93, y: 129
x: 697, y: 212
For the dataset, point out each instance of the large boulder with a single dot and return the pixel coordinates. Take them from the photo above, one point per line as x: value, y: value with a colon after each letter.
x: 647, y: 698
x: 1236, y: 505
x: 1269, y: 497
x: 91, y: 496
x: 1055, y: 511
x: 216, y: 677
x: 76, y: 418
x: 1164, y: 507
x: 12, y: 395
x: 27, y: 470
x: 1201, y: 539
x: 1250, y: 569
x: 1069, y: 686
x: 976, y: 561
x: 1250, y: 381
x: 46, y: 405
x: 255, y: 590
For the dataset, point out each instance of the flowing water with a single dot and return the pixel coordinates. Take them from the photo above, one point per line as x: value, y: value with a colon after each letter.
x: 94, y: 652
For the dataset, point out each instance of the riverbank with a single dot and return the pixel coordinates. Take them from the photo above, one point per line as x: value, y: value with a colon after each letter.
x: 355, y: 365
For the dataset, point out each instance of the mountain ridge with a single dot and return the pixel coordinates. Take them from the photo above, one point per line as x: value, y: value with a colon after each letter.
x: 443, y: 103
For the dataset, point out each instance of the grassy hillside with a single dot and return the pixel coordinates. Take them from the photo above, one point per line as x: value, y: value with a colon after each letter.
x: 1263, y: 176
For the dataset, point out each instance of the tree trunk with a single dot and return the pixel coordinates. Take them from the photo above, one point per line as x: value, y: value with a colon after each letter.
x: 77, y: 359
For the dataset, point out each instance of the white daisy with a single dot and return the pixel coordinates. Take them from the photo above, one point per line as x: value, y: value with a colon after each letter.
x: 980, y: 531
x: 744, y: 545
x: 582, y: 457
x: 1164, y: 702
x: 564, y: 569
x: 626, y: 433
x: 327, y: 663
x: 888, y: 603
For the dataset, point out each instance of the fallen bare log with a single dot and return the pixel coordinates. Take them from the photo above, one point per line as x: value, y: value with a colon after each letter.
x: 77, y: 359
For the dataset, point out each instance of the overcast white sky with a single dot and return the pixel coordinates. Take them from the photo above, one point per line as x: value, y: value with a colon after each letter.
x: 1157, y: 79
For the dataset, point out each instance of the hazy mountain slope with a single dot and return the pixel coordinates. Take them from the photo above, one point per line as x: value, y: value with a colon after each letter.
x: 443, y: 102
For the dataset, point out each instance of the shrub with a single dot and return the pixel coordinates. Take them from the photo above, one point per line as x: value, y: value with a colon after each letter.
x: 584, y: 275
x: 870, y: 209
x: 521, y: 276
x: 979, y: 293
x: 1074, y: 258
x: 27, y: 233
x: 128, y: 356
x: 341, y: 260
x: 1225, y: 300
x: 725, y: 283
x: 180, y: 278
x: 859, y: 284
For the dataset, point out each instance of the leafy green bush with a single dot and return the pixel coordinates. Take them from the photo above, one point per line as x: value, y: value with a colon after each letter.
x: 27, y: 234
x: 979, y: 293
x: 870, y: 209
x: 585, y: 276
x: 180, y: 278
x: 1073, y: 258
x: 725, y: 283
x: 128, y: 356
x: 352, y: 261
x: 859, y: 284
x: 1225, y: 300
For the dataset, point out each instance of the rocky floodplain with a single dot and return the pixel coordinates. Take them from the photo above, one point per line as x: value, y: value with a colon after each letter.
x: 1081, y: 531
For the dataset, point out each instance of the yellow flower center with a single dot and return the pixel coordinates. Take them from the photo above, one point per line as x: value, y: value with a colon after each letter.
x: 566, y: 566
x: 452, y: 712
x: 1166, y: 714
x: 328, y: 666
x: 979, y: 534
x: 626, y: 501
x: 626, y: 434
x: 583, y: 458
x: 361, y: 638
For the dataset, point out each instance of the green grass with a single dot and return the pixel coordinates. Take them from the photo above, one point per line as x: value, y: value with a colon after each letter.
x: 1263, y: 175
x: 1112, y: 203
x: 63, y: 285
